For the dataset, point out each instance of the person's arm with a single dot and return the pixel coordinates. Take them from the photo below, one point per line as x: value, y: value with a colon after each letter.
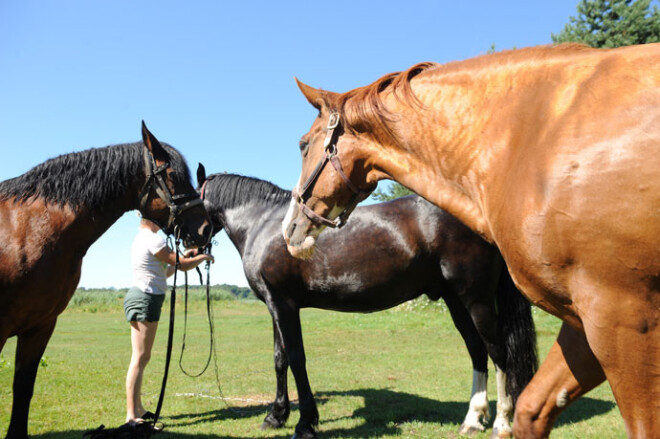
x: 187, y: 261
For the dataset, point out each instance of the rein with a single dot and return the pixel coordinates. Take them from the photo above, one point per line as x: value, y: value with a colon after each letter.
x: 207, y: 250
x: 177, y: 203
x: 330, y: 149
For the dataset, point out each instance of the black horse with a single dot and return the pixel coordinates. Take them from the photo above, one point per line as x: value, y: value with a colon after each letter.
x: 387, y: 254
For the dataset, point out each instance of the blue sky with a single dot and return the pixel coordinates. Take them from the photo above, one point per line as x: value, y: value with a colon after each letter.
x: 215, y: 80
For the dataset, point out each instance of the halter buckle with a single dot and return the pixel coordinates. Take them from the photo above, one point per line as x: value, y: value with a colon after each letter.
x: 333, y: 120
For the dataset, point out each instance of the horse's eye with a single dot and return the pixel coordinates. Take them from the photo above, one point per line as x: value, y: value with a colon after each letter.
x: 303, y: 144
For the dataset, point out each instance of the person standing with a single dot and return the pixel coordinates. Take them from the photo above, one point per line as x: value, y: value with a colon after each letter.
x: 152, y: 263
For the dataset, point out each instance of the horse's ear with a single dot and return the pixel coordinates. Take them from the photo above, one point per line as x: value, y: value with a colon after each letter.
x: 201, y: 175
x: 153, y: 145
x: 318, y: 98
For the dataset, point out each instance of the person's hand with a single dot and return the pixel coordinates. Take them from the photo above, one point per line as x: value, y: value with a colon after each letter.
x: 190, y: 253
x: 208, y: 258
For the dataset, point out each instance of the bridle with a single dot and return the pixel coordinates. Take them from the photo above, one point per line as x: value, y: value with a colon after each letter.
x: 330, y: 149
x: 177, y: 203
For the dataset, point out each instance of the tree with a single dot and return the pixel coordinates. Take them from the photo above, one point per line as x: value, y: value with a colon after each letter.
x: 395, y: 190
x: 612, y: 23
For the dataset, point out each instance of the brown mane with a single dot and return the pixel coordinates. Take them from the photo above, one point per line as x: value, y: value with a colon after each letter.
x: 363, y: 110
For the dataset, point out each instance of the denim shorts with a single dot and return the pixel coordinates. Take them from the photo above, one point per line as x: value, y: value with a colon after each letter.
x: 142, y: 307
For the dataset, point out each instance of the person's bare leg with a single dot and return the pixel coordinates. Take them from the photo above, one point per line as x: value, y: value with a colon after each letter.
x: 143, y: 335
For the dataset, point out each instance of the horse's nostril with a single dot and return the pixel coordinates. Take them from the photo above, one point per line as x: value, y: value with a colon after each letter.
x: 207, y: 229
x: 290, y: 229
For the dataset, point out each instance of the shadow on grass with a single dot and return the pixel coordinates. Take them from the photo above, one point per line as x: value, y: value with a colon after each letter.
x: 383, y: 412
x: 583, y: 409
x: 77, y: 434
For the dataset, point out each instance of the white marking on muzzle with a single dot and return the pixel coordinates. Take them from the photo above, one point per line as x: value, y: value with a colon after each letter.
x: 290, y: 213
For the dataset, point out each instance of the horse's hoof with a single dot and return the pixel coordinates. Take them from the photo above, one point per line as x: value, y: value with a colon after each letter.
x: 307, y: 433
x: 470, y: 430
x: 501, y: 434
x: 271, y: 422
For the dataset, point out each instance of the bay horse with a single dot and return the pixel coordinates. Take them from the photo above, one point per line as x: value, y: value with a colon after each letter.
x: 54, y: 212
x: 552, y: 154
x: 389, y: 253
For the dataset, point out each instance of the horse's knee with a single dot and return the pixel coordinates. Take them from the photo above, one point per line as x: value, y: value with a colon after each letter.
x: 529, y: 421
x: 523, y: 419
x: 281, y: 361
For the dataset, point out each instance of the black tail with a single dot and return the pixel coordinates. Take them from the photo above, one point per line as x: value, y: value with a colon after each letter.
x: 517, y: 327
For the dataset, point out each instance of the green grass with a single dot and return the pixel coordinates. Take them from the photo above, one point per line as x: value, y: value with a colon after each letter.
x: 398, y: 373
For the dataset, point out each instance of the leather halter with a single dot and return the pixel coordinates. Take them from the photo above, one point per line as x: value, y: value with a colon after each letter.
x: 176, y: 203
x: 330, y: 149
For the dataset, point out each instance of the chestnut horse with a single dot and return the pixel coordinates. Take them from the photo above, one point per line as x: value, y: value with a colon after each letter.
x: 389, y: 253
x: 54, y: 212
x: 551, y: 153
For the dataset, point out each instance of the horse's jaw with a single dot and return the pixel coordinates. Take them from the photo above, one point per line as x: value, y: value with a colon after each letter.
x: 299, y: 233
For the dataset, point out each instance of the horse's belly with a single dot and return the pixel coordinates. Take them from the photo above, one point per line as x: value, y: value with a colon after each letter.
x: 363, y: 300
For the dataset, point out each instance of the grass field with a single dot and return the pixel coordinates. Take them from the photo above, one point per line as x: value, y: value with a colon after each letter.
x: 398, y: 373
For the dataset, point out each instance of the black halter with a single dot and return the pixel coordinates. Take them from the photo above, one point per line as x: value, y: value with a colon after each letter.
x: 176, y: 203
x: 330, y: 147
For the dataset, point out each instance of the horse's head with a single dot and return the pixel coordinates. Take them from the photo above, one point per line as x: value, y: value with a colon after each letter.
x: 201, y: 189
x: 336, y: 174
x: 168, y: 197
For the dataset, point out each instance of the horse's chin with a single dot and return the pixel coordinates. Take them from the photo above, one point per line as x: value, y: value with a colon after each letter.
x: 190, y: 244
x: 193, y: 242
x: 304, y: 250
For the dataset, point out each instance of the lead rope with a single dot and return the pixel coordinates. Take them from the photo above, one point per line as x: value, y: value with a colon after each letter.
x: 212, y: 344
x: 170, y: 335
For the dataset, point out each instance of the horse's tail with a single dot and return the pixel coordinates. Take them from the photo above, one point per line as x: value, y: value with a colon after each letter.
x: 517, y: 327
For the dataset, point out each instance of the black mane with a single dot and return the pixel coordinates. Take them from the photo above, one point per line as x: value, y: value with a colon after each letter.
x: 231, y: 190
x: 94, y: 179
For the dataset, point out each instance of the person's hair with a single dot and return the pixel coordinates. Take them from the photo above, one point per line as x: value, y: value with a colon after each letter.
x: 147, y: 222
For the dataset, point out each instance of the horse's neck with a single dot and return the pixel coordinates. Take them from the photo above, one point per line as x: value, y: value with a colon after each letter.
x: 425, y: 166
x: 48, y: 222
x: 241, y: 222
x: 87, y: 225
x: 91, y: 226
x: 445, y: 150
x: 93, y: 223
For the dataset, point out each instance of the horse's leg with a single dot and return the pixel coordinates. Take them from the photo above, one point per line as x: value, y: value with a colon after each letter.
x: 477, y: 415
x: 569, y: 371
x: 502, y: 423
x: 287, y: 320
x: 624, y: 335
x: 279, y: 413
x: 484, y: 319
x: 30, y: 347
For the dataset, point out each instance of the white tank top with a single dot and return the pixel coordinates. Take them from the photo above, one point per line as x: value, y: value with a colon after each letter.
x: 149, y: 272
